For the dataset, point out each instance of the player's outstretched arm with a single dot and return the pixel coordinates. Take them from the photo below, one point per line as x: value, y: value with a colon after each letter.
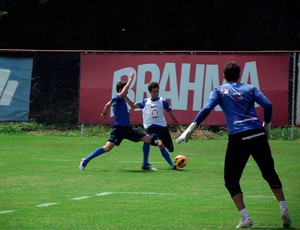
x: 131, y: 103
x: 124, y: 91
x: 186, y: 135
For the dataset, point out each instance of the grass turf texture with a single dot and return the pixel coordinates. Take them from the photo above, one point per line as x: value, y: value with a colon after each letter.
x: 38, y: 170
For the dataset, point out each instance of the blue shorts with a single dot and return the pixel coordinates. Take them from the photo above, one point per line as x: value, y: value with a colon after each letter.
x: 119, y: 133
x: 161, y: 133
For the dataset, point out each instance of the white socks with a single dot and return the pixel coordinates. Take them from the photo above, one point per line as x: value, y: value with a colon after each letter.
x: 282, y: 205
x: 244, y: 213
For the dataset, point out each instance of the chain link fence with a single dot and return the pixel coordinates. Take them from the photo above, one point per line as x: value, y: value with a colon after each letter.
x: 55, y: 86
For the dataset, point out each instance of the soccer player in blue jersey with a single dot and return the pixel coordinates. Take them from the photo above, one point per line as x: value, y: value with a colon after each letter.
x: 120, y: 126
x: 155, y: 123
x: 246, y: 136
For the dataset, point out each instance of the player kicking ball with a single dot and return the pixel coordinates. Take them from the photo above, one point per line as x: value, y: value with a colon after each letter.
x: 155, y: 123
x: 120, y: 128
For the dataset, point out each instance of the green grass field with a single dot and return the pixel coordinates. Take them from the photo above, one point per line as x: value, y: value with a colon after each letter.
x: 42, y: 187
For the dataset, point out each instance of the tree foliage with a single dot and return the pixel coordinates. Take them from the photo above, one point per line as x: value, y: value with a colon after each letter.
x: 150, y: 24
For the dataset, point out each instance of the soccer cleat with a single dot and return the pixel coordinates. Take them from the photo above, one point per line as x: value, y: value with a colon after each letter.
x: 82, y: 164
x: 148, y: 168
x: 245, y: 223
x: 286, y: 220
x: 174, y: 167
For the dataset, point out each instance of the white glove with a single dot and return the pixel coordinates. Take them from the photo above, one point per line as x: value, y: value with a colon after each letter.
x: 186, y: 135
x: 267, y: 127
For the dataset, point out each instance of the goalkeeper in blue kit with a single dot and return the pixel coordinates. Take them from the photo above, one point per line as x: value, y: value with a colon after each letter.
x: 247, y: 135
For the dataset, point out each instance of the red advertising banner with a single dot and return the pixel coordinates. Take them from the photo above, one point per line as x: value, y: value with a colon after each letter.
x: 185, y: 81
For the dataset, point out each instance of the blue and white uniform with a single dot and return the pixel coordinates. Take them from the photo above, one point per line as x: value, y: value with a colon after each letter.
x: 155, y: 123
x: 153, y: 111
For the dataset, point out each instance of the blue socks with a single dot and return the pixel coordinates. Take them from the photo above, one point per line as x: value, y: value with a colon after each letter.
x: 146, y: 151
x: 166, y: 155
x: 94, y: 154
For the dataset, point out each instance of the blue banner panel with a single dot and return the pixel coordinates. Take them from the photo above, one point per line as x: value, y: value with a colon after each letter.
x: 15, y: 84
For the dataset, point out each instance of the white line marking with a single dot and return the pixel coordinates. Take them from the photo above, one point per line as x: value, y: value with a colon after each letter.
x: 6, y: 211
x: 103, y: 194
x: 46, y: 205
x: 98, y: 194
x: 82, y: 197
x: 261, y: 197
x: 147, y: 193
x: 56, y: 160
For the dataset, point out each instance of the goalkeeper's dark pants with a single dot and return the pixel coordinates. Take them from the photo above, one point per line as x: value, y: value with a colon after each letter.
x: 240, y: 146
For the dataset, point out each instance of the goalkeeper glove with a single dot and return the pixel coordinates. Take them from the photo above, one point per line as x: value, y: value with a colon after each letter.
x: 186, y: 135
x: 267, y: 127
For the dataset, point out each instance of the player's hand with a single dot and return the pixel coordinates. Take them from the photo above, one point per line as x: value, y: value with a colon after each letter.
x: 103, y: 115
x: 267, y: 127
x: 186, y: 135
x: 131, y: 75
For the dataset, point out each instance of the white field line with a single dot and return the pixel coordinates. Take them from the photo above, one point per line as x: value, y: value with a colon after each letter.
x: 6, y: 211
x: 261, y: 197
x: 46, y: 205
x: 82, y: 197
x: 98, y: 194
x: 103, y: 194
x: 57, y: 160
x: 148, y: 193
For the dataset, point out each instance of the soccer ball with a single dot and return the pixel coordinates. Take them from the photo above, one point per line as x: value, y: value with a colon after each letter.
x: 180, y: 161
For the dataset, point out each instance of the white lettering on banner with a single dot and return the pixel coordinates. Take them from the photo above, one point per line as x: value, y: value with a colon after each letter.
x: 169, y: 74
x: 249, y: 74
x: 206, y: 79
x: 7, y: 87
x: 142, y: 86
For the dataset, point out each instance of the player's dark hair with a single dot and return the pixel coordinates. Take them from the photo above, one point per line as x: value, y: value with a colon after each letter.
x: 153, y: 85
x: 120, y: 85
x: 232, y: 71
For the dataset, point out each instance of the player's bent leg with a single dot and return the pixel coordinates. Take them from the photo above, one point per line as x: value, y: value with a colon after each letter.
x: 146, y: 138
x: 95, y: 153
x: 108, y: 146
x: 165, y: 153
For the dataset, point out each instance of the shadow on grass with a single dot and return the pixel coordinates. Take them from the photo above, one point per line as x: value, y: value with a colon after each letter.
x: 147, y: 171
x: 275, y: 228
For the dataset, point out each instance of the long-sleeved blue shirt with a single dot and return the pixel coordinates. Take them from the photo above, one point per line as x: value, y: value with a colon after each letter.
x: 237, y: 102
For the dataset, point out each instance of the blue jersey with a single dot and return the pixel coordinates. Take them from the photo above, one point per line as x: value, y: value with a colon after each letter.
x: 237, y: 102
x: 120, y: 110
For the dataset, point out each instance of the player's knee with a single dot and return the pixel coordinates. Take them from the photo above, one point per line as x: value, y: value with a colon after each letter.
x: 147, y: 139
x: 107, y: 148
x: 233, y: 187
x: 171, y: 149
x: 273, y: 180
x: 160, y: 144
